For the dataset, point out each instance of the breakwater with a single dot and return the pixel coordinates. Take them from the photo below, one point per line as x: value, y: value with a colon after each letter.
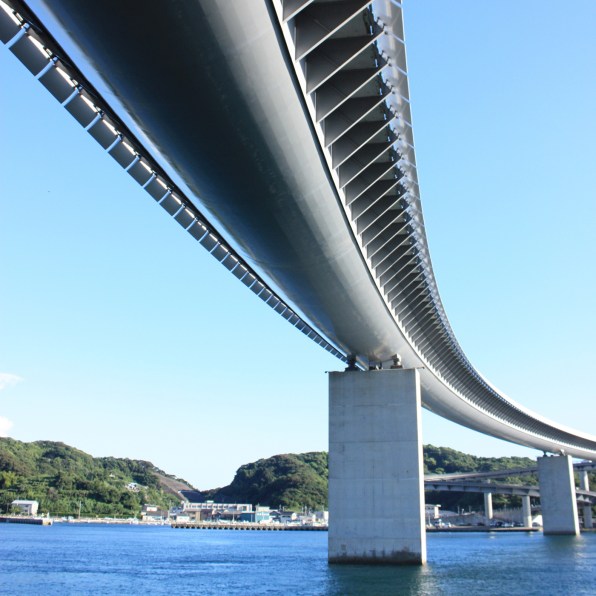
x: 296, y: 528
x: 255, y: 527
x: 481, y: 529
x: 35, y: 521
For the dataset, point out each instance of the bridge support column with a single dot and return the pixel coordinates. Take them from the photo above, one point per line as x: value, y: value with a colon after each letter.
x: 488, y: 506
x: 376, y: 483
x: 584, y: 484
x: 557, y: 495
x: 526, y: 511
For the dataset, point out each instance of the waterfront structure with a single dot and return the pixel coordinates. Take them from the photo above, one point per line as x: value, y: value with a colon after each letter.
x: 212, y: 506
x: 285, y: 517
x: 26, y: 507
x: 431, y: 511
x: 321, y: 127
x: 322, y: 517
x: 261, y: 515
x: 152, y: 513
x: 211, y: 511
x: 231, y: 513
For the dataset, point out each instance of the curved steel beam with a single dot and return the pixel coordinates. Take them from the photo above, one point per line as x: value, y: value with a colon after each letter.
x: 290, y: 153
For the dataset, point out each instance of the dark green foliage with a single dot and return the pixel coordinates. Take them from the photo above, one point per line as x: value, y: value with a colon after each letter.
x: 64, y: 479
x: 296, y: 481
x: 443, y: 460
x: 292, y: 481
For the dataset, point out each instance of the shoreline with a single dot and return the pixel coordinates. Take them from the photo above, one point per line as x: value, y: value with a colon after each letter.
x: 32, y: 521
x: 45, y: 521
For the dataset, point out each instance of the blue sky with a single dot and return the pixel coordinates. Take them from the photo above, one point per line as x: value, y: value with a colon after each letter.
x: 121, y: 336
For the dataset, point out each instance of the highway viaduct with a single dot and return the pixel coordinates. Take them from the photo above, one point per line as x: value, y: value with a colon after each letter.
x: 482, y: 482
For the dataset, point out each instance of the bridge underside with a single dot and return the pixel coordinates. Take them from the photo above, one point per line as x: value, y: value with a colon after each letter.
x: 211, y: 91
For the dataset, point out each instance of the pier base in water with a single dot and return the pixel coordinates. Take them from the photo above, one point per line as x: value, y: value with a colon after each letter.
x: 376, y: 484
x: 557, y: 495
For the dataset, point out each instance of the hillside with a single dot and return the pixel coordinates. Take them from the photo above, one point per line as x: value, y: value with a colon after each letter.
x: 443, y: 460
x: 63, y: 478
x: 295, y: 481
x: 290, y: 480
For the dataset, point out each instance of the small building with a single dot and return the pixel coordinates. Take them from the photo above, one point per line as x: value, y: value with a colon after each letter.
x: 431, y: 512
x: 26, y: 507
x: 287, y: 517
x: 152, y: 513
x: 212, y: 512
x: 309, y: 519
x: 238, y: 508
x: 322, y: 517
x: 261, y: 515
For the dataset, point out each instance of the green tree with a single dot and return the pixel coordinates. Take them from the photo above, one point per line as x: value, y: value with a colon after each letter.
x: 7, y: 478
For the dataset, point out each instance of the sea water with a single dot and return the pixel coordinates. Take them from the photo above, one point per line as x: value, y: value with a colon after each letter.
x: 114, y: 559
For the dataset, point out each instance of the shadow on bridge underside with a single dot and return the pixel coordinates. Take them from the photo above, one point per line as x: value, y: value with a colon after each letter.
x: 287, y: 124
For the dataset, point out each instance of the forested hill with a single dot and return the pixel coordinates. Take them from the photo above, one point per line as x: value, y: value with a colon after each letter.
x: 295, y: 481
x: 62, y: 477
x: 443, y: 460
x: 290, y: 480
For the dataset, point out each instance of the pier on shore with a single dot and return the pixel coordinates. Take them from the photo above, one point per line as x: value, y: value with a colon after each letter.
x: 15, y: 519
x: 249, y: 526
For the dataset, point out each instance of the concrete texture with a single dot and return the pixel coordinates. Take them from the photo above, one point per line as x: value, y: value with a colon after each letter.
x: 488, y: 505
x: 584, y: 483
x: 557, y: 495
x: 376, y: 490
x: 526, y: 512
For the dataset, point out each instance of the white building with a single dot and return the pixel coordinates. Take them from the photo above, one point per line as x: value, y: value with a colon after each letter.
x: 26, y: 507
x: 322, y: 517
x: 211, y: 506
x: 431, y: 512
x: 287, y: 517
x: 152, y: 513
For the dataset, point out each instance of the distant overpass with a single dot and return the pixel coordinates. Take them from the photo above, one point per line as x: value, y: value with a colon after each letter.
x: 578, y: 467
x: 583, y: 496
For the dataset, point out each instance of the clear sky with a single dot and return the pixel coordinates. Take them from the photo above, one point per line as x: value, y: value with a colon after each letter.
x: 121, y: 336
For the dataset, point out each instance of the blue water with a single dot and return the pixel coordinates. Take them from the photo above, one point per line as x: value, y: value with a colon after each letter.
x: 90, y: 559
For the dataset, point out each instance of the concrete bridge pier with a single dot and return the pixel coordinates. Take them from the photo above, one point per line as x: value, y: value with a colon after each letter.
x: 557, y: 495
x: 526, y: 511
x: 584, y: 484
x: 488, y: 506
x: 376, y: 482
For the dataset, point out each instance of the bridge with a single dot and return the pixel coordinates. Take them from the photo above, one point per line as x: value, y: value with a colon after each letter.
x: 278, y: 134
x: 481, y: 482
x: 519, y: 490
x: 580, y: 468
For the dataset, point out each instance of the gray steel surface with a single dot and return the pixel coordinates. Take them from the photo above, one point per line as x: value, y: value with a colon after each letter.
x: 288, y: 124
